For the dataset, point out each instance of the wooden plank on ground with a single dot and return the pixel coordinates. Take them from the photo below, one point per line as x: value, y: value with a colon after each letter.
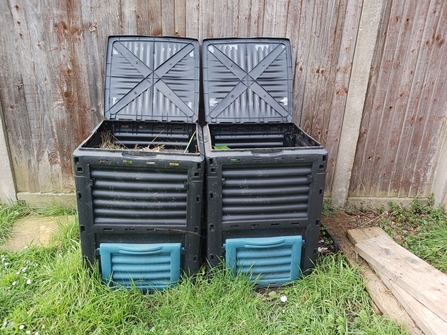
x: 362, y: 234
x: 337, y: 226
x: 429, y: 322
x: 421, y: 280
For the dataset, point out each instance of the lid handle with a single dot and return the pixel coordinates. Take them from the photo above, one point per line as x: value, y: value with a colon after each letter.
x: 269, y: 153
x: 272, y: 244
x: 145, y: 251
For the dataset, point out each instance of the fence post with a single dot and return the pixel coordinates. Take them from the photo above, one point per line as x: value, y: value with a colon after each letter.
x: 363, y: 55
x: 439, y: 186
x: 7, y: 186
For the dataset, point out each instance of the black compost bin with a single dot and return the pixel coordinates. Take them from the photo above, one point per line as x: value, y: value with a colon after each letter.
x: 265, y: 176
x: 139, y: 175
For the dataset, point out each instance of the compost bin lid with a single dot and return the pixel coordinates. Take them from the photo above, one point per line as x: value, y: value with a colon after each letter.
x: 247, y: 80
x: 152, y: 78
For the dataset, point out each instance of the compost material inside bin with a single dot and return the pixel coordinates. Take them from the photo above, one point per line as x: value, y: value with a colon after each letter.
x: 145, y: 136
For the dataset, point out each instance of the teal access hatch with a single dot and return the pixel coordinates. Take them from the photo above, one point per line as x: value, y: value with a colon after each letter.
x: 268, y: 261
x: 147, y: 266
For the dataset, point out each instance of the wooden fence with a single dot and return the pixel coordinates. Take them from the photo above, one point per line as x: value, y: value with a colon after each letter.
x: 398, y: 146
x: 52, y: 70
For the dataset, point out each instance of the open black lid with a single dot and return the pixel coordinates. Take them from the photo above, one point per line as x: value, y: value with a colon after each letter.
x: 247, y: 80
x: 152, y: 78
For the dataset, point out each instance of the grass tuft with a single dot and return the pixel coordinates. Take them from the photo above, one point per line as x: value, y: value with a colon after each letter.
x: 332, y: 300
x: 8, y: 215
x: 53, y: 210
x: 421, y: 228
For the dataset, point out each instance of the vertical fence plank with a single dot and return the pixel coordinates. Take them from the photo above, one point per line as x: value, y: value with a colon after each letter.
x: 439, y: 184
x: 292, y: 32
x: 219, y: 24
x: 7, y: 187
x: 405, y: 97
x: 14, y: 35
x: 232, y: 20
x: 11, y: 103
x: 303, y: 42
x: 81, y: 116
x: 320, y: 70
x: 168, y: 18
x: 155, y: 17
x: 42, y: 91
x: 192, y: 19
x: 268, y: 28
x: 394, y: 111
x: 366, y: 155
x: 128, y: 15
x: 350, y: 18
x: 243, y: 19
x: 142, y: 16
x: 427, y: 132
x: 207, y: 18
x: 180, y: 18
x: 256, y: 18
x: 24, y: 151
x: 94, y: 46
x: 281, y: 17
x: 323, y: 66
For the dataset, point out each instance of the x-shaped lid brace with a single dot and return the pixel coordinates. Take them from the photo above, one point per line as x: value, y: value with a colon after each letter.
x: 247, y: 81
x: 151, y: 78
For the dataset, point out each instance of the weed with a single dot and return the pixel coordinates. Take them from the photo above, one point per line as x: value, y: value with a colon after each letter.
x: 328, y: 209
x: 419, y: 226
x: 424, y: 227
x: 332, y: 300
x: 326, y: 243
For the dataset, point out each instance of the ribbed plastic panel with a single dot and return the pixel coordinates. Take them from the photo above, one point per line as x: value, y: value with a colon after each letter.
x: 250, y: 136
x: 268, y: 261
x: 133, y: 196
x: 147, y: 266
x: 251, y: 193
x: 152, y: 78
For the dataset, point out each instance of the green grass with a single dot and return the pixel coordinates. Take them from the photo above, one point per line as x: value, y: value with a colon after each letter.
x: 419, y: 226
x: 49, y: 291
x: 424, y: 230
x: 8, y: 215
x: 328, y: 209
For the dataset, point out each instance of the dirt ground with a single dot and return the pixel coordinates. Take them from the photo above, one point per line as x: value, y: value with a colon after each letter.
x: 33, y: 230
x: 341, y: 221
